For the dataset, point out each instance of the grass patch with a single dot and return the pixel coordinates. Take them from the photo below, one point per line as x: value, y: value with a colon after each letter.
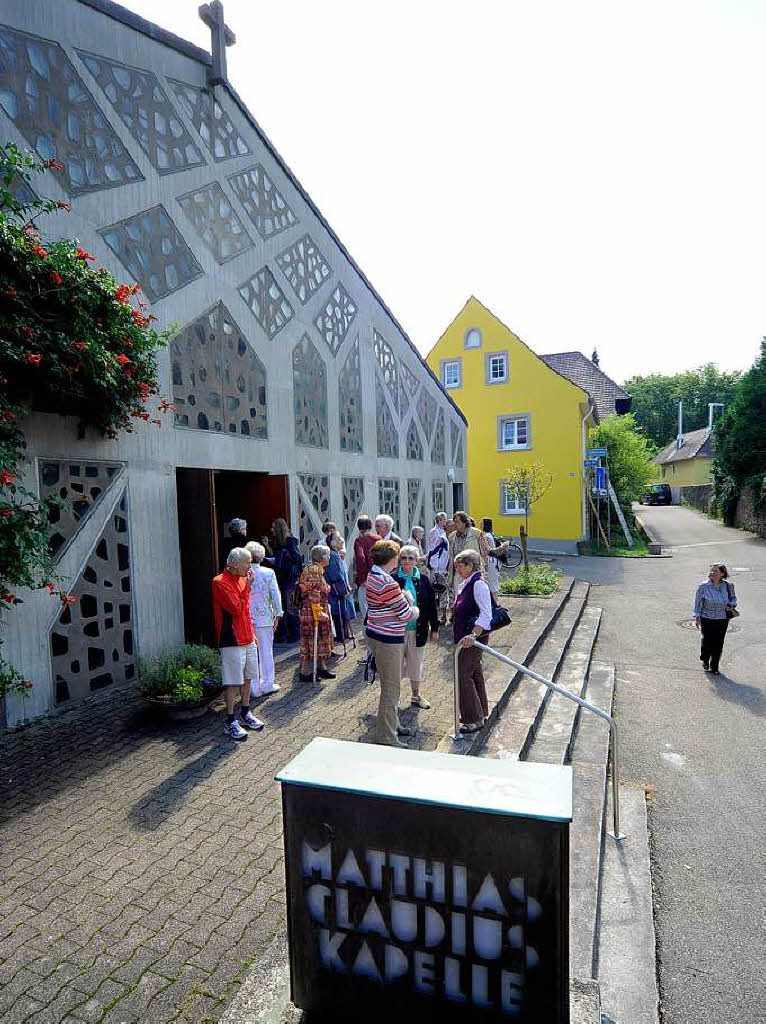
x: 619, y: 548
x: 539, y: 579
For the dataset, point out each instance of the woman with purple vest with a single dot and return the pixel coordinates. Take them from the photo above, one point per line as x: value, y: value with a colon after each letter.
x: 471, y: 619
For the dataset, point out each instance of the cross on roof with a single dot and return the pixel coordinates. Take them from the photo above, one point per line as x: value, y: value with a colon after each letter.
x: 221, y: 36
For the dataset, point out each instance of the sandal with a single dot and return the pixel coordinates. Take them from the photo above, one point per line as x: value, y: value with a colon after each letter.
x: 420, y: 702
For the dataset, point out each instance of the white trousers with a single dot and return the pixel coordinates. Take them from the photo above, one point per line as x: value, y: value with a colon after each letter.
x: 412, y: 658
x: 265, y: 637
x: 361, y: 592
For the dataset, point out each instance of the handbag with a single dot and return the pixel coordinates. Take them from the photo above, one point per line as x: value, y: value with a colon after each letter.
x: 500, y: 617
x: 731, y: 613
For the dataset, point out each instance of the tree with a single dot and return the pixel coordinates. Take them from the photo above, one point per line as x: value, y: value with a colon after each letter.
x: 740, y: 440
x: 656, y: 398
x: 527, y: 484
x: 630, y: 455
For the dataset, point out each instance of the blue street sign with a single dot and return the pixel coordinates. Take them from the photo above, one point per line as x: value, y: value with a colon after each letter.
x: 590, y: 462
x: 597, y: 452
x: 599, y: 480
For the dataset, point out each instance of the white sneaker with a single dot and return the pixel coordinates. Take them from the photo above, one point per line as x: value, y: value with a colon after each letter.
x: 274, y: 688
x: 235, y: 731
x: 251, y: 721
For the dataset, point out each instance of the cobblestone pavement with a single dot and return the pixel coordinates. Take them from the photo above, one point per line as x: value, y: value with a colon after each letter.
x: 141, y: 867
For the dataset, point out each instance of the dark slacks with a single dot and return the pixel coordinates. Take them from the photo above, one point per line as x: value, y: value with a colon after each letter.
x: 713, y: 636
x: 471, y: 688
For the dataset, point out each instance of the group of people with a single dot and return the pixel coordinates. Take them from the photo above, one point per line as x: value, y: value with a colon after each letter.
x: 405, y: 592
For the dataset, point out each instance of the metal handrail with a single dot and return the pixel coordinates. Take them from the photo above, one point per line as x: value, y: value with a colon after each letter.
x: 457, y: 735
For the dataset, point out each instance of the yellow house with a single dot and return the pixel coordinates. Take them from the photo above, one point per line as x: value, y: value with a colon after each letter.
x: 519, y: 410
x: 687, y: 464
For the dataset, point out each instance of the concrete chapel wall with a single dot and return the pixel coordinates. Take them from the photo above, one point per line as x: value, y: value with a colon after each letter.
x: 221, y: 247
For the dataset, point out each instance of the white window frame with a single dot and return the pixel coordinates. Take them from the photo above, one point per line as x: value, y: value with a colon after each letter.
x: 502, y: 446
x: 468, y: 333
x: 452, y: 362
x: 508, y: 508
x: 488, y: 378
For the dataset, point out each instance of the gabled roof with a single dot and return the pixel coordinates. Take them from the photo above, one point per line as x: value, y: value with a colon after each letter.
x: 174, y: 42
x: 608, y: 396
x: 697, y: 444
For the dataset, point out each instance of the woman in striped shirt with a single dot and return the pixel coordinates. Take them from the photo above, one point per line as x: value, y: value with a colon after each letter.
x: 388, y: 613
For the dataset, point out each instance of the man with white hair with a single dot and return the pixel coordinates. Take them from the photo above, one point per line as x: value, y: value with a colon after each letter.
x: 236, y: 641
x: 437, y: 562
x: 384, y: 527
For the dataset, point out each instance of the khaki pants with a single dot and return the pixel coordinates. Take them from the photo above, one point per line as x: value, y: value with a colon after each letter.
x: 388, y: 658
x: 412, y: 659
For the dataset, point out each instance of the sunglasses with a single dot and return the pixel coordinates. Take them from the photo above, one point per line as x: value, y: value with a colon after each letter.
x: 406, y: 558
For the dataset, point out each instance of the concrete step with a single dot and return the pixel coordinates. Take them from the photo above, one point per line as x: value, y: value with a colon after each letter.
x: 553, y: 739
x: 524, y: 648
x: 586, y: 836
x: 627, y: 967
x: 515, y: 728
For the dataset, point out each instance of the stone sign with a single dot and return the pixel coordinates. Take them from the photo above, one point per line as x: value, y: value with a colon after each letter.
x: 423, y: 884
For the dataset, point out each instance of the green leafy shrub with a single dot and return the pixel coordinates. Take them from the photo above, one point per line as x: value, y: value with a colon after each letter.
x: 537, y: 579
x: 185, y: 674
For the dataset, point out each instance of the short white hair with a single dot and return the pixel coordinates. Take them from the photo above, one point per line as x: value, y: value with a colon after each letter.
x: 319, y: 552
x: 257, y: 551
x: 383, y: 518
x: 441, y: 515
x: 472, y: 557
x: 409, y: 549
x: 237, y: 556
x: 412, y: 531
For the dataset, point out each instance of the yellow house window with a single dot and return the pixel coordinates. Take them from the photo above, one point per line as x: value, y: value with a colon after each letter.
x: 452, y: 376
x: 511, y: 502
x: 472, y: 338
x: 513, y: 433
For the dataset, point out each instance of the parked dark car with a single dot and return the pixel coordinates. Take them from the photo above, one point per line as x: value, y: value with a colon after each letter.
x: 658, y: 494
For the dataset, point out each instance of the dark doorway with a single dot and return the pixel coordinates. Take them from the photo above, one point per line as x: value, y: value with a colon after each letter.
x: 457, y: 499
x: 207, y: 500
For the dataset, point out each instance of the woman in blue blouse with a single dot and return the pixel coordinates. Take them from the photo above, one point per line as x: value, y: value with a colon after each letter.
x: 715, y: 596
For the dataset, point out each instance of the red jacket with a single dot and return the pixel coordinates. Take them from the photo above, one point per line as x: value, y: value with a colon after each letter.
x: 362, y: 556
x: 231, y: 610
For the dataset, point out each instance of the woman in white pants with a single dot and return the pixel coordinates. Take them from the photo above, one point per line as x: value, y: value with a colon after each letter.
x: 265, y: 611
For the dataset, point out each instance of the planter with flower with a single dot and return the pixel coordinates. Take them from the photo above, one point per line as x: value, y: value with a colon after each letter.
x: 72, y: 343
x: 181, y: 683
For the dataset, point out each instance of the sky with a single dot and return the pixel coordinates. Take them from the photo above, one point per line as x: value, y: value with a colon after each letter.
x: 592, y: 172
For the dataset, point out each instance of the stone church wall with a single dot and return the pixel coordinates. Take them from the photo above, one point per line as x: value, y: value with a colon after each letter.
x: 286, y: 361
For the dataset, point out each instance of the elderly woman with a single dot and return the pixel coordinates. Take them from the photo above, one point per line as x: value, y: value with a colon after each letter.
x: 315, y: 609
x: 265, y: 613
x: 418, y: 586
x: 384, y: 527
x: 388, y: 612
x: 471, y: 619
x: 336, y: 574
x: 417, y: 534
x: 712, y: 607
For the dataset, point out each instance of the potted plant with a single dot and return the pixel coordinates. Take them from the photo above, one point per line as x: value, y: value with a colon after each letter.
x: 182, y: 683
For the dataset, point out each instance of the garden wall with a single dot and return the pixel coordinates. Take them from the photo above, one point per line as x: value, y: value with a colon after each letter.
x: 748, y: 513
x: 698, y: 496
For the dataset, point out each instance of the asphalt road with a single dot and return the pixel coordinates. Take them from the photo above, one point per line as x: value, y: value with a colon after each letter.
x: 698, y: 743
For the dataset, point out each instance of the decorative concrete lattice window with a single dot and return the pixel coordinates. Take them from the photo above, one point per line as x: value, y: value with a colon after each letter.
x: 388, y: 435
x: 219, y: 383
x: 91, y: 642
x: 305, y: 267
x: 216, y: 222
x: 426, y: 412
x: 308, y: 533
x: 437, y: 496
x: 309, y: 395
x: 388, y: 499
x: 353, y: 497
x: 144, y: 108
x: 414, y: 444
x: 350, y: 402
x: 411, y: 382
x: 47, y: 101
x: 267, y: 301
x: 317, y: 490
x: 210, y: 121
x: 459, y: 460
x: 386, y: 359
x: 335, y: 319
x: 454, y: 434
x: 151, y: 248
x: 263, y: 202
x: 82, y: 485
x: 413, y: 496
x: 437, y: 449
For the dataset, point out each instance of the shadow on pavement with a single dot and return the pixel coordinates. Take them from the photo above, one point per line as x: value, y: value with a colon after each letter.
x: 154, y: 807
x: 751, y: 698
